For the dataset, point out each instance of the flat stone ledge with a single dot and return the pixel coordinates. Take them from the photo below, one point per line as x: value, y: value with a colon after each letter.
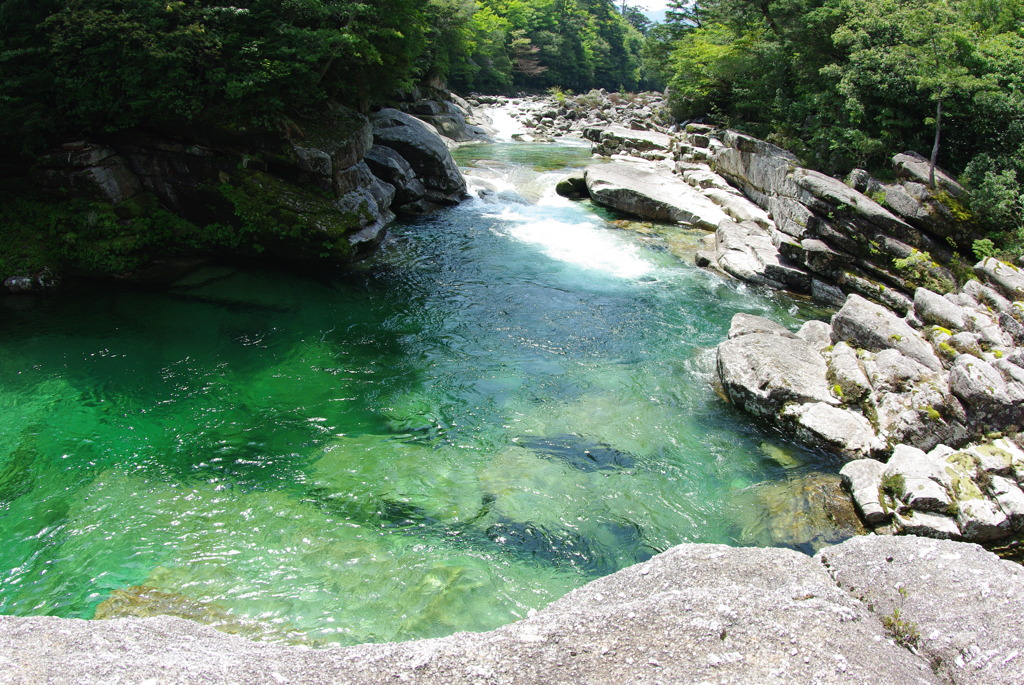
x: 696, y: 613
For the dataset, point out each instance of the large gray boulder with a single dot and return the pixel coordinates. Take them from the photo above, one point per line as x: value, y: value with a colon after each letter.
x: 748, y: 252
x: 836, y: 429
x: 964, y: 605
x: 761, y: 372
x: 360, y: 194
x: 758, y: 168
x: 424, y: 150
x: 848, y: 239
x: 452, y: 119
x: 985, y: 392
x: 696, y: 613
x: 617, y: 138
x: 745, y: 324
x: 917, y: 205
x: 932, y: 308
x: 914, y: 167
x: 847, y: 372
x: 824, y: 194
x: 95, y: 171
x: 651, y: 192
x: 391, y: 167
x: 863, y: 478
x: 922, y: 483
x: 872, y: 327
x: 739, y: 208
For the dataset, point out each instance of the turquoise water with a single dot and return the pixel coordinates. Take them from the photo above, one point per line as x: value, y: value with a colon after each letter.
x: 509, y: 401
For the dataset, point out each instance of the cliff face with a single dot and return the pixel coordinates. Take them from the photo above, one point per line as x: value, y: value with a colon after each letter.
x: 871, y: 610
x: 315, y: 193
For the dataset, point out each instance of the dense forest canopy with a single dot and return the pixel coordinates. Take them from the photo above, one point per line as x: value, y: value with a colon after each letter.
x: 83, y: 66
x: 849, y: 82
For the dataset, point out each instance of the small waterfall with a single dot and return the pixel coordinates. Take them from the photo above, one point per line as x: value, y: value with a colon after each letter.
x: 504, y: 124
x: 523, y: 205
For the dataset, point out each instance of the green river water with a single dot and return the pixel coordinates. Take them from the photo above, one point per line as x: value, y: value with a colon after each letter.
x: 509, y: 401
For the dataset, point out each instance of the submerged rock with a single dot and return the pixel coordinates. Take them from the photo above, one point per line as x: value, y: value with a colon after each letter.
x: 809, y: 512
x: 579, y: 453
x: 141, y: 601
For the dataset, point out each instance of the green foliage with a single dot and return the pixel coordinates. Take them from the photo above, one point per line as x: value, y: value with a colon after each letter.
x: 848, y: 83
x: 997, y: 200
x: 83, y: 236
x: 86, y: 67
x: 983, y: 248
x: 577, y: 45
x: 893, y: 485
x: 905, y: 632
x: 921, y: 271
x: 271, y: 212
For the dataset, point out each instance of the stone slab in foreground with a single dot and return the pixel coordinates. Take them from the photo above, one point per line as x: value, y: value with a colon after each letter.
x: 696, y: 613
x: 967, y: 604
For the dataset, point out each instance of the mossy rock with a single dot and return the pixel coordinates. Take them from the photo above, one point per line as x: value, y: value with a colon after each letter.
x: 290, y: 221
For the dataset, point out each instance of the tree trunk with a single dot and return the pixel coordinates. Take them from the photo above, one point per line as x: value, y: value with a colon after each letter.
x: 935, y: 146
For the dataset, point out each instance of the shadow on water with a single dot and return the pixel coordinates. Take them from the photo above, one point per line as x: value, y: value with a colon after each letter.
x: 18, y: 470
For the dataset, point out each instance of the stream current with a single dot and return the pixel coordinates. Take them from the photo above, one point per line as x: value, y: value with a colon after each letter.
x: 511, y: 399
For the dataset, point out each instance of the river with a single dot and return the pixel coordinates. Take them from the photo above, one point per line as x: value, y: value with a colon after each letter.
x: 511, y: 399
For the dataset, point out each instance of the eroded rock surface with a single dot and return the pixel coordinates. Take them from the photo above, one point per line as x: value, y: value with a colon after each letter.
x: 696, y: 613
x: 425, y: 152
x: 650, y: 192
x: 325, y: 192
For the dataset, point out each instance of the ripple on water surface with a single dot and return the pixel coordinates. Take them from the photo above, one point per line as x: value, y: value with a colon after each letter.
x: 511, y: 400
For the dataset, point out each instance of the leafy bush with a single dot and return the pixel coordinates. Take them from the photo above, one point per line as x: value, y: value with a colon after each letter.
x: 83, y: 236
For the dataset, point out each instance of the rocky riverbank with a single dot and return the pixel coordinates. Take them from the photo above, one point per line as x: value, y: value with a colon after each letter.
x: 547, y: 117
x: 913, y: 368
x: 779, y: 225
x: 928, y: 392
x: 871, y: 610
x: 323, y: 193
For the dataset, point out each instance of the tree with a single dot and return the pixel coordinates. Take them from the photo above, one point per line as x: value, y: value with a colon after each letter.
x: 636, y: 17
x: 926, y: 46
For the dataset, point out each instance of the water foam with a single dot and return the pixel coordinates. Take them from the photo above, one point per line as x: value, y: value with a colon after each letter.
x: 584, y: 243
x: 504, y: 124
